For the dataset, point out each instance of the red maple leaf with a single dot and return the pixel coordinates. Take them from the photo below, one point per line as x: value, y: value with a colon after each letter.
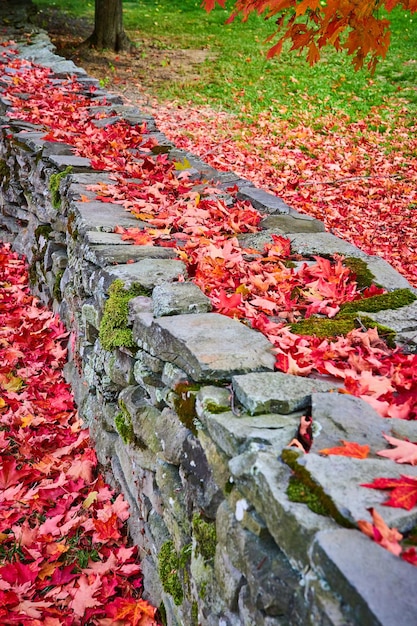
x: 10, y: 474
x: 349, y: 448
x: 380, y: 532
x: 403, y: 494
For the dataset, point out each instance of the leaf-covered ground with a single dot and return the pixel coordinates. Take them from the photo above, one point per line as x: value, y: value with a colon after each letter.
x: 64, y: 557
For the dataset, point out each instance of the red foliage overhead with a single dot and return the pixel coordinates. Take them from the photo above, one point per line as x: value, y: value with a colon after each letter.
x: 356, y: 26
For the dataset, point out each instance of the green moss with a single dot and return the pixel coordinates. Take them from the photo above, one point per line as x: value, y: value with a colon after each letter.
x: 56, y: 292
x: 194, y: 614
x: 54, y: 183
x: 43, y: 230
x: 363, y: 275
x: 341, y: 325
x: 4, y: 174
x: 168, y: 569
x: 314, y: 493
x: 214, y: 408
x: 114, y: 331
x: 298, y: 491
x: 392, y: 300
x: 124, y: 427
x: 184, y: 403
x: 205, y: 537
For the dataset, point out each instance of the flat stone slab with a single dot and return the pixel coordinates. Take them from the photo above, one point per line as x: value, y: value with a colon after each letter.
x: 401, y: 320
x: 379, y: 587
x: 293, y: 223
x: 275, y: 392
x: 103, y: 255
x: 179, y: 298
x: 341, y: 478
x: 340, y: 416
x: 207, y: 346
x: 233, y: 434
x: 310, y: 244
x: 262, y: 200
x: 147, y: 272
x: 62, y: 161
x: 101, y: 216
x: 386, y: 275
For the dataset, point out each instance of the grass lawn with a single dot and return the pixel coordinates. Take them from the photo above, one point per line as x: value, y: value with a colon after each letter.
x: 238, y: 76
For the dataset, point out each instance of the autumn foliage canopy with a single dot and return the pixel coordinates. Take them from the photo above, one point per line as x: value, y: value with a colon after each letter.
x: 357, y: 26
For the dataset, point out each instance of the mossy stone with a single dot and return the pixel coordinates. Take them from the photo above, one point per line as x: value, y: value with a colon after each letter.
x: 114, y: 331
x: 54, y: 183
x: 391, y: 300
x: 168, y: 569
x: 205, y: 537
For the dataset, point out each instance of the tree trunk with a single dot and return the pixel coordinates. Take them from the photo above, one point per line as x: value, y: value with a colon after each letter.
x: 108, y: 26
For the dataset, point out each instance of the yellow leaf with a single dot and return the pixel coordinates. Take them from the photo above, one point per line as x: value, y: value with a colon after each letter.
x: 92, y: 497
x: 182, y: 165
x: 26, y: 421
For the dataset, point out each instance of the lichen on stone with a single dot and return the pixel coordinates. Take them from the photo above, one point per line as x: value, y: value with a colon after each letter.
x: 54, y: 183
x: 114, y: 331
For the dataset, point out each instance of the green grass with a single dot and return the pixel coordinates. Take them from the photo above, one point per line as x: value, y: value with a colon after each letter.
x: 239, y: 73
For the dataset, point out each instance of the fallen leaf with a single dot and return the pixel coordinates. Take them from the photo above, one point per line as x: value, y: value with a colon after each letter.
x: 402, y: 452
x: 349, y: 448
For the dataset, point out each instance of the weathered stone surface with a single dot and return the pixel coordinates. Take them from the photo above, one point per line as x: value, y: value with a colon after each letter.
x: 341, y: 478
x: 402, y: 320
x: 262, y: 200
x: 148, y: 273
x: 172, y: 434
x: 200, y: 487
x: 192, y: 342
x: 263, y: 480
x: 293, y: 223
x: 310, y: 244
x: 76, y: 163
x: 386, y: 275
x: 362, y: 573
x: 100, y: 216
x: 341, y: 416
x: 103, y: 255
x: 178, y: 298
x: 233, y: 435
x: 275, y: 392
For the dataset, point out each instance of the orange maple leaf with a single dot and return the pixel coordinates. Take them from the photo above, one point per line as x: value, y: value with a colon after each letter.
x: 378, y: 530
x: 403, y: 494
x: 349, y: 448
x: 403, y: 451
x: 135, y: 612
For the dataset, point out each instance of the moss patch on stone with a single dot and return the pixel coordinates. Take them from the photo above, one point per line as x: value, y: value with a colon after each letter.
x: 341, y: 325
x: 363, y: 275
x: 168, y: 569
x: 54, y: 183
x: 205, y: 537
x: 57, y: 294
x: 391, y: 300
x: 298, y: 491
x: 315, y: 492
x: 114, y: 331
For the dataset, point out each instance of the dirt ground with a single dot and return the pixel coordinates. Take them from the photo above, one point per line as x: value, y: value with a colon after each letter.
x: 135, y: 74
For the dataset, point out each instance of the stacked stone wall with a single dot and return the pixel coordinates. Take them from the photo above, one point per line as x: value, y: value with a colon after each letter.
x: 190, y: 419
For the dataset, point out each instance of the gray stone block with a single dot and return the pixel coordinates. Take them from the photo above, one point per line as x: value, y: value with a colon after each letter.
x: 178, y: 298
x: 341, y: 416
x: 207, y: 346
x: 62, y: 161
x: 262, y: 200
x: 293, y: 223
x: 272, y: 392
x: 148, y: 273
x: 100, y: 216
x: 262, y: 480
x: 322, y: 244
x: 341, y: 479
x: 376, y: 587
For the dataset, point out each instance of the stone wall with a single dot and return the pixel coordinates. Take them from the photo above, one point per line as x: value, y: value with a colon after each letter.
x: 190, y: 419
